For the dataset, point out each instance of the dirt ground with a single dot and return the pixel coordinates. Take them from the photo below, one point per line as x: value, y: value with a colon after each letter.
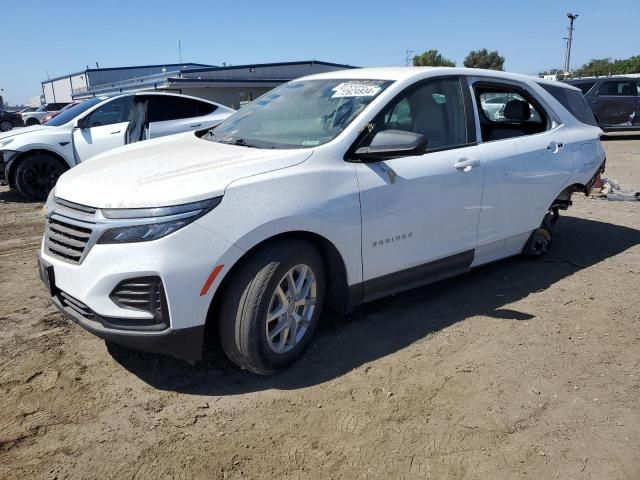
x: 521, y: 369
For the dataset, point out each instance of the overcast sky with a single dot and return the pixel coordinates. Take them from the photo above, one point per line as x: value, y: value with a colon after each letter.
x: 65, y: 36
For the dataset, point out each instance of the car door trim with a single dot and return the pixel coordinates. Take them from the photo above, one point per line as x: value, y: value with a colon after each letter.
x: 410, y: 278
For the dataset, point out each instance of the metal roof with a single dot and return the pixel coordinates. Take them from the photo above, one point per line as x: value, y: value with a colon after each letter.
x: 264, y: 65
x: 87, y: 70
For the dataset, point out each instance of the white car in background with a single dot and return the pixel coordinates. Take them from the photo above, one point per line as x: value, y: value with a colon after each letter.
x: 35, y: 117
x: 331, y: 190
x: 32, y: 158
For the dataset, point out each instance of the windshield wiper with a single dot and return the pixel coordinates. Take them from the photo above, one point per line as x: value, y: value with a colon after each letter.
x: 241, y: 142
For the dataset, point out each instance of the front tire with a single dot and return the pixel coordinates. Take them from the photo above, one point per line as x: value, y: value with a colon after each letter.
x: 270, y: 310
x: 5, y: 126
x: 31, y: 122
x: 36, y: 176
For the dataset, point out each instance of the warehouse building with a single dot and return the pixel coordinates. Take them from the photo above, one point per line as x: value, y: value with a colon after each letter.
x: 229, y: 85
x: 95, y: 81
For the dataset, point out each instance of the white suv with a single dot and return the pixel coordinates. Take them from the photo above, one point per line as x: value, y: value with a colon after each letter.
x: 329, y: 191
x: 32, y: 158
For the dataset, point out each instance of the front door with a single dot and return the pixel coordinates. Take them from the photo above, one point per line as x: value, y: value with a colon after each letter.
x: 615, y: 103
x: 105, y: 129
x: 420, y: 213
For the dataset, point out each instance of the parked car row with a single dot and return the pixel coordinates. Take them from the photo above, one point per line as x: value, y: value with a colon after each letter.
x: 34, y: 157
x: 44, y: 120
x: 329, y: 191
x: 615, y: 101
x: 9, y: 120
x: 35, y: 117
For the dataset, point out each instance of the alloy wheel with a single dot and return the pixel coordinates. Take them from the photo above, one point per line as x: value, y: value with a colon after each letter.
x: 291, y: 309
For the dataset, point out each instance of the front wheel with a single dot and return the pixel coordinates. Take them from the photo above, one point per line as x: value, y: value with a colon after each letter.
x: 272, y: 306
x: 36, y: 176
x: 32, y: 121
x: 5, y: 126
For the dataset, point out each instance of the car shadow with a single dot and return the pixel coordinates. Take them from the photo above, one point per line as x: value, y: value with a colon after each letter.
x: 386, y: 326
x: 12, y: 196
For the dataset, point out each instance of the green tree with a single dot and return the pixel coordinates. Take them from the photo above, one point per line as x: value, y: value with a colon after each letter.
x: 605, y: 66
x: 432, y: 58
x: 484, y: 59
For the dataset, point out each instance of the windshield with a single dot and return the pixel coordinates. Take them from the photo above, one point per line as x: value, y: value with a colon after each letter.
x: 299, y: 114
x: 67, y: 115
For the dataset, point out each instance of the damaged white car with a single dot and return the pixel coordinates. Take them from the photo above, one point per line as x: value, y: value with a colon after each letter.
x: 329, y: 191
x: 32, y: 158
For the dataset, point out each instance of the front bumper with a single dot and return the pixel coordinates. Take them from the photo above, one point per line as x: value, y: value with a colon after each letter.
x: 185, y: 344
x: 183, y: 261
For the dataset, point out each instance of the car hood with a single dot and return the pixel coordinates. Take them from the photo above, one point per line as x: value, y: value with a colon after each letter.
x: 167, y: 171
x: 22, y: 131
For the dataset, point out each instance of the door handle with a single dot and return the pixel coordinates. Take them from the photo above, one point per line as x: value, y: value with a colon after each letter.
x: 115, y: 133
x: 466, y: 165
x: 195, y: 126
x: 553, y: 147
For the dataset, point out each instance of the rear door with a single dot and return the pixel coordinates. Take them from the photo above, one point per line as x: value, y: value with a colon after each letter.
x: 169, y: 114
x: 106, y: 128
x: 615, y: 103
x: 527, y: 156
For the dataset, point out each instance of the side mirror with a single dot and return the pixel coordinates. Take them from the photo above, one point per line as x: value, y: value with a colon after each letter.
x: 82, y: 122
x: 392, y: 144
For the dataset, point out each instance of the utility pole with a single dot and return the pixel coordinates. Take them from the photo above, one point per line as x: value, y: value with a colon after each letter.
x: 567, y: 56
x: 408, y: 57
x: 180, y: 51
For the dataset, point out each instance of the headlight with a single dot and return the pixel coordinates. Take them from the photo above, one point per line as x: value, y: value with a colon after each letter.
x: 156, y: 222
x: 142, y: 233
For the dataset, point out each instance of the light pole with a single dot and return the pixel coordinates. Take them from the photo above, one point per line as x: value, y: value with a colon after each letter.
x: 567, y: 57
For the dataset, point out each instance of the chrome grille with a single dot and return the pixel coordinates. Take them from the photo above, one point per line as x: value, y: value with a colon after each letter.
x: 66, y: 239
x: 75, y: 207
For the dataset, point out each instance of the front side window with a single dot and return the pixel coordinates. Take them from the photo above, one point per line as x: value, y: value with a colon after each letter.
x: 299, y: 114
x: 434, y: 109
x: 618, y: 88
x: 71, y: 113
x: 116, y: 111
x: 584, y: 86
x: 515, y: 114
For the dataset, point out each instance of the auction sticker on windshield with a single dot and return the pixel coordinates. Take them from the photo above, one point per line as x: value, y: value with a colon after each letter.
x: 351, y: 89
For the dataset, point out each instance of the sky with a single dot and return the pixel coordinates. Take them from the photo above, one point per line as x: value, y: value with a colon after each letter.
x: 54, y: 38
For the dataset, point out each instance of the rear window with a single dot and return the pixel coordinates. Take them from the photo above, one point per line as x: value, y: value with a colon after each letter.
x: 574, y: 102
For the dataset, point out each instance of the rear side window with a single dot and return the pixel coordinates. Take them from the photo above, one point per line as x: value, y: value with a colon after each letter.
x: 619, y: 88
x: 163, y: 108
x: 574, y: 102
x: 506, y: 111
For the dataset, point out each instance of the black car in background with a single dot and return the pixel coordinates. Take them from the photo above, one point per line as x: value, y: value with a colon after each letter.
x: 615, y: 101
x: 8, y: 120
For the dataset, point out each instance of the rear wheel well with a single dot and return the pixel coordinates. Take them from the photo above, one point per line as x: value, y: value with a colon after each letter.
x: 14, y: 165
x: 337, y: 296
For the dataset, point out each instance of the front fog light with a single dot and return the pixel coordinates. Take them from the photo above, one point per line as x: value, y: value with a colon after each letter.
x: 142, y: 233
